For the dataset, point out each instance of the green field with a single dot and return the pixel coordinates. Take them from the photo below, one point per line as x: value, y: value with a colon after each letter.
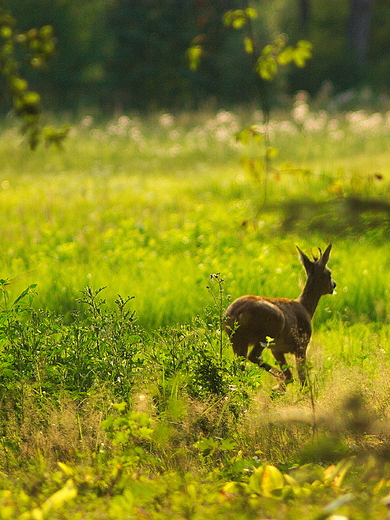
x: 136, y: 408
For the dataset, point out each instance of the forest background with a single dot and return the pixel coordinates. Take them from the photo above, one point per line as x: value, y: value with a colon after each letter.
x: 121, y: 54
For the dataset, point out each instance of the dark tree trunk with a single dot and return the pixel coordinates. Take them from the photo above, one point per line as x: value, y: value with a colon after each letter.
x: 359, y: 27
x: 304, y: 13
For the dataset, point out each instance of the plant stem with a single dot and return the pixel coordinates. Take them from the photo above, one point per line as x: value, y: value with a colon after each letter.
x: 312, y: 400
x: 221, y: 319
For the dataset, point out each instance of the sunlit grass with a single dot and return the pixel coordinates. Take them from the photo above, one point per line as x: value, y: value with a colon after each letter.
x: 151, y: 207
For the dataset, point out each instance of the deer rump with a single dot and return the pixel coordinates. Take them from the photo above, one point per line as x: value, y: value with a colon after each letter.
x: 250, y: 320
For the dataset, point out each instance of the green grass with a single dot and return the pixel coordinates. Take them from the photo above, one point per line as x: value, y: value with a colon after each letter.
x: 152, y: 225
x: 150, y: 208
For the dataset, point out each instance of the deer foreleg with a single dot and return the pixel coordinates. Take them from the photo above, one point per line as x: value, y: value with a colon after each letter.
x: 300, y: 359
x: 281, y: 359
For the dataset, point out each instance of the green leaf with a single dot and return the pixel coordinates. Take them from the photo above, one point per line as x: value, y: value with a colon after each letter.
x: 305, y: 44
x: 236, y: 488
x: 267, y: 481
x: 4, y: 282
x: 46, y: 32
x: 31, y: 98
x: 194, y: 54
x: 227, y: 444
x: 145, y: 433
x: 251, y: 132
x: 272, y: 481
x: 18, y: 85
x: 227, y: 18
x: 66, y: 469
x: 251, y: 12
x: 120, y: 406
x: 267, y: 50
x: 296, y: 488
x: 334, y: 475
x: 256, y: 133
x: 286, y: 56
x: 302, y: 53
x: 266, y: 67
x: 24, y: 293
x: 236, y: 19
x: 253, y: 167
x: 248, y: 45
x: 53, y: 136
x: 206, y: 444
x: 239, y: 22
x: 6, y: 32
x: 107, y: 423
x: 32, y: 34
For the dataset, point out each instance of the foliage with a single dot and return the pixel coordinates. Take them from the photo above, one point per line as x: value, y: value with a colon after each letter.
x: 278, y: 54
x: 38, y: 346
x: 269, y: 481
x: 127, y: 432
x: 272, y: 55
x: 119, y: 483
x: 39, y: 45
x: 132, y: 55
x: 67, y: 493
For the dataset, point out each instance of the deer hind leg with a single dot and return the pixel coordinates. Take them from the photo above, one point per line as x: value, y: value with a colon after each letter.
x: 255, y: 357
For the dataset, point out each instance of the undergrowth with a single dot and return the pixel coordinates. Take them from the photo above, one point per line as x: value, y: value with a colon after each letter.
x: 168, y: 422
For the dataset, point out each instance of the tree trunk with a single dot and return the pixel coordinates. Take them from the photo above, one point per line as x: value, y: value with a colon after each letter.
x: 359, y: 27
x: 304, y: 13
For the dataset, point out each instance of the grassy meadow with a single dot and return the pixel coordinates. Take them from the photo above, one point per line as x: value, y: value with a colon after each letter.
x: 120, y: 396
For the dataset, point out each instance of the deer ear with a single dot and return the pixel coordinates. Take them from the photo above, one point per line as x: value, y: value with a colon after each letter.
x: 325, y: 257
x: 306, y: 262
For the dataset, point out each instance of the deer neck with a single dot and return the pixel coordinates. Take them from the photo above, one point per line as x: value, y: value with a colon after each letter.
x: 310, y: 296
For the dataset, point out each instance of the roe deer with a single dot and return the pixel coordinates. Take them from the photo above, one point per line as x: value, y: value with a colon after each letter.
x: 251, y: 319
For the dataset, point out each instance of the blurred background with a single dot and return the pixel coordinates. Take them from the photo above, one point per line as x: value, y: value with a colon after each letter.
x: 116, y: 55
